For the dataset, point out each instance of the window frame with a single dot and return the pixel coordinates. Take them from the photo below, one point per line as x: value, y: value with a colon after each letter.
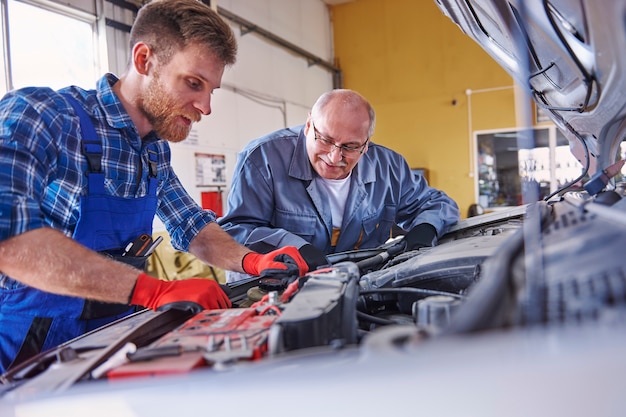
x: 66, y: 10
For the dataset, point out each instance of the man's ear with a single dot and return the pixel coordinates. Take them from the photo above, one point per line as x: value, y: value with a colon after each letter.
x: 142, y: 58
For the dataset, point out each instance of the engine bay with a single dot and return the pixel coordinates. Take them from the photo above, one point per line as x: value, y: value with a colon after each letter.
x: 531, y: 266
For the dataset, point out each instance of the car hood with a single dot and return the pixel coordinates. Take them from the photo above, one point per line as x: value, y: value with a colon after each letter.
x: 568, y: 55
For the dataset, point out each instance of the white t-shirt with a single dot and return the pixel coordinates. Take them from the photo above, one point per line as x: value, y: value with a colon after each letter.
x: 337, y: 191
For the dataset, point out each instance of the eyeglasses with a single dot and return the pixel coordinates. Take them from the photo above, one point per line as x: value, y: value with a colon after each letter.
x: 326, y: 145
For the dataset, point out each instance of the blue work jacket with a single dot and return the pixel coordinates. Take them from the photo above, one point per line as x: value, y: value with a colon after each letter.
x: 277, y: 198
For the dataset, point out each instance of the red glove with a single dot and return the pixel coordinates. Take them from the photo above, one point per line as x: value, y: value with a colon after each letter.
x: 154, y: 293
x: 282, y: 259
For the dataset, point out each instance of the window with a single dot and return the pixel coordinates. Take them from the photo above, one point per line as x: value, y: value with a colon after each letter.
x: 50, y: 45
x: 508, y: 161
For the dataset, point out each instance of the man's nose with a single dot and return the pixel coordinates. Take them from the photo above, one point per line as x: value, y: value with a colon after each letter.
x: 203, y: 104
x: 335, y: 154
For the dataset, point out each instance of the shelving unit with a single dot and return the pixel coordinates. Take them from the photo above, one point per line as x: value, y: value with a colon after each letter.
x: 509, y: 160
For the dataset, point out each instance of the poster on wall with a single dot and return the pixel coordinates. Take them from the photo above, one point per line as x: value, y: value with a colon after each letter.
x: 210, y: 170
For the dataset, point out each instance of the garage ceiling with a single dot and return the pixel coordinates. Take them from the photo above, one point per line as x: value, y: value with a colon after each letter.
x: 336, y: 2
x: 139, y: 3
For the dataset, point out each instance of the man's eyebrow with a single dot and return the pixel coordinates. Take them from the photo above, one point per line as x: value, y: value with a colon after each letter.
x: 325, y: 136
x: 353, y: 142
x: 203, y: 79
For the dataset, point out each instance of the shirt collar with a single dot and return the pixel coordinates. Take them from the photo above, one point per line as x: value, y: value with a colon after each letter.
x: 115, y: 112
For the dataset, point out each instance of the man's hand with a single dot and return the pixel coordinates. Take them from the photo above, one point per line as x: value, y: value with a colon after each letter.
x: 422, y: 235
x: 280, y: 260
x: 313, y: 257
x: 156, y: 294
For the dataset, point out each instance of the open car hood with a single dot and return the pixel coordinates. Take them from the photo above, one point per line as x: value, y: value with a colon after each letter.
x: 568, y: 55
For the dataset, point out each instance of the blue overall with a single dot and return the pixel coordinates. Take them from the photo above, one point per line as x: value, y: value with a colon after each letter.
x: 40, y: 320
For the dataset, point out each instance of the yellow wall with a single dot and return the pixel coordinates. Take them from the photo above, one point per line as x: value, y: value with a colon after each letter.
x: 413, y: 64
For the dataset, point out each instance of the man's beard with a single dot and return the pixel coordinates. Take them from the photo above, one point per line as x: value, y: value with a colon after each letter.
x: 162, y: 111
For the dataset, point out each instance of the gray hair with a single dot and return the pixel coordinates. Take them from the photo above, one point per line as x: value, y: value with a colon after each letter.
x: 349, y: 98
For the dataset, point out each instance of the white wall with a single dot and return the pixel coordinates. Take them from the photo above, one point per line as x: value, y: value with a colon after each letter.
x: 268, y: 88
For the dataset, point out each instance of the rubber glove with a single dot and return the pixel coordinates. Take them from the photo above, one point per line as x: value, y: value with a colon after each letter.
x: 422, y: 235
x: 313, y: 257
x: 187, y: 294
x: 282, y: 260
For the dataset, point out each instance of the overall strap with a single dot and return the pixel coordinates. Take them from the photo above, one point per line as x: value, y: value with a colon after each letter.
x: 153, y: 160
x: 91, y: 147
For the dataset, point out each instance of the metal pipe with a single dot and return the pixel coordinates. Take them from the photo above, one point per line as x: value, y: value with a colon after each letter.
x: 247, y: 27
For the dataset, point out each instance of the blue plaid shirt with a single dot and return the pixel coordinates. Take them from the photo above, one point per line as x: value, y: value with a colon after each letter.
x: 42, y: 169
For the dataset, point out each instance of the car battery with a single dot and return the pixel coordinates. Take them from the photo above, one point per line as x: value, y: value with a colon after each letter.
x: 321, y: 311
x: 210, y: 338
